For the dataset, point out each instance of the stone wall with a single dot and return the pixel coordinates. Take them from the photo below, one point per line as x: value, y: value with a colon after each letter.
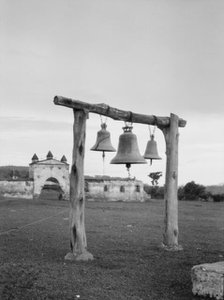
x: 115, y: 190
x: 17, y: 189
x: 108, y: 190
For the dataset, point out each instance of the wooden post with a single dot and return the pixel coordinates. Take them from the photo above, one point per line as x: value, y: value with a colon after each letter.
x: 170, y: 236
x: 77, y: 195
x: 169, y: 126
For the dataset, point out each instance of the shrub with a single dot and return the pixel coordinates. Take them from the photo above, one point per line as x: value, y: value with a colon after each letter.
x: 156, y: 192
x: 218, y: 197
x: 192, y: 191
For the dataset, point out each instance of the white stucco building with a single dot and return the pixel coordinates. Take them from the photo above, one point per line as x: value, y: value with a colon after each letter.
x: 50, y: 179
x: 49, y: 171
x: 114, y: 189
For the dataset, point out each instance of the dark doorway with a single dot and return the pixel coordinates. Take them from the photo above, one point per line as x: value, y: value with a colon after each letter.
x: 51, y: 190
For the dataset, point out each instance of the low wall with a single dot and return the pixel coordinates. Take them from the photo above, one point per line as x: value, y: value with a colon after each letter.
x: 17, y: 189
x: 110, y: 190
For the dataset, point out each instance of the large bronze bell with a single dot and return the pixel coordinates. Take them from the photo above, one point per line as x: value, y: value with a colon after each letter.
x: 128, y: 151
x: 151, y: 151
x: 103, y: 142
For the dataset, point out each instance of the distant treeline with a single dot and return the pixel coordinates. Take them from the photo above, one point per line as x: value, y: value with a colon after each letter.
x: 14, y: 173
x: 190, y: 191
x: 22, y: 173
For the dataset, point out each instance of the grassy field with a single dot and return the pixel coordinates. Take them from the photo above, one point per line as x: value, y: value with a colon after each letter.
x: 125, y: 241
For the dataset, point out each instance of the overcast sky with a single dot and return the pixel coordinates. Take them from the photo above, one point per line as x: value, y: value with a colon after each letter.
x: 154, y: 57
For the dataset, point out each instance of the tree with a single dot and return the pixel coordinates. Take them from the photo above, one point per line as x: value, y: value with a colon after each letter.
x: 192, y: 191
x: 156, y: 192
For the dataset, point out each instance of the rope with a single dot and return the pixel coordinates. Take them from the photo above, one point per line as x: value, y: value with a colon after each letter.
x: 103, y: 156
x: 150, y: 131
x: 35, y: 222
x: 101, y: 119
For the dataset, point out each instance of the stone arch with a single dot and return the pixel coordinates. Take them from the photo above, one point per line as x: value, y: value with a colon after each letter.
x: 53, y: 179
x: 51, y: 190
x: 57, y: 173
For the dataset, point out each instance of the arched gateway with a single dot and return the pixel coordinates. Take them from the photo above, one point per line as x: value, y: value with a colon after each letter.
x: 50, y: 172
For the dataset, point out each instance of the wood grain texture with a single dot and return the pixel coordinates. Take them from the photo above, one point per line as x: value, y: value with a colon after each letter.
x: 170, y: 236
x: 115, y: 113
x: 77, y: 195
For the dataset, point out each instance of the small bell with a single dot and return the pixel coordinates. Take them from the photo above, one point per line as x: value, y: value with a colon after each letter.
x: 151, y: 151
x: 128, y: 151
x: 103, y: 142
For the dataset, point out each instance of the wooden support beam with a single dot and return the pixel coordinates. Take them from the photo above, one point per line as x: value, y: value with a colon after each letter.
x: 169, y: 127
x: 77, y: 195
x: 116, y: 114
x: 170, y: 236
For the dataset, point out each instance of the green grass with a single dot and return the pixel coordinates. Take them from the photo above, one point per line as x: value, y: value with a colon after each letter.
x: 125, y: 241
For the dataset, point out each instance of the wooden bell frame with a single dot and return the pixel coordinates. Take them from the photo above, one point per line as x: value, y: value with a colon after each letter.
x: 169, y: 127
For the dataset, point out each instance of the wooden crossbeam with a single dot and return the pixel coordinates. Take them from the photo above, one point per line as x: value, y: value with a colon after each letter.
x: 169, y: 127
x: 116, y: 114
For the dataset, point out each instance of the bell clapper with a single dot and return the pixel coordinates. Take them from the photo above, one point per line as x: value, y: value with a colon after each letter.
x: 128, y: 169
x: 103, y: 156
